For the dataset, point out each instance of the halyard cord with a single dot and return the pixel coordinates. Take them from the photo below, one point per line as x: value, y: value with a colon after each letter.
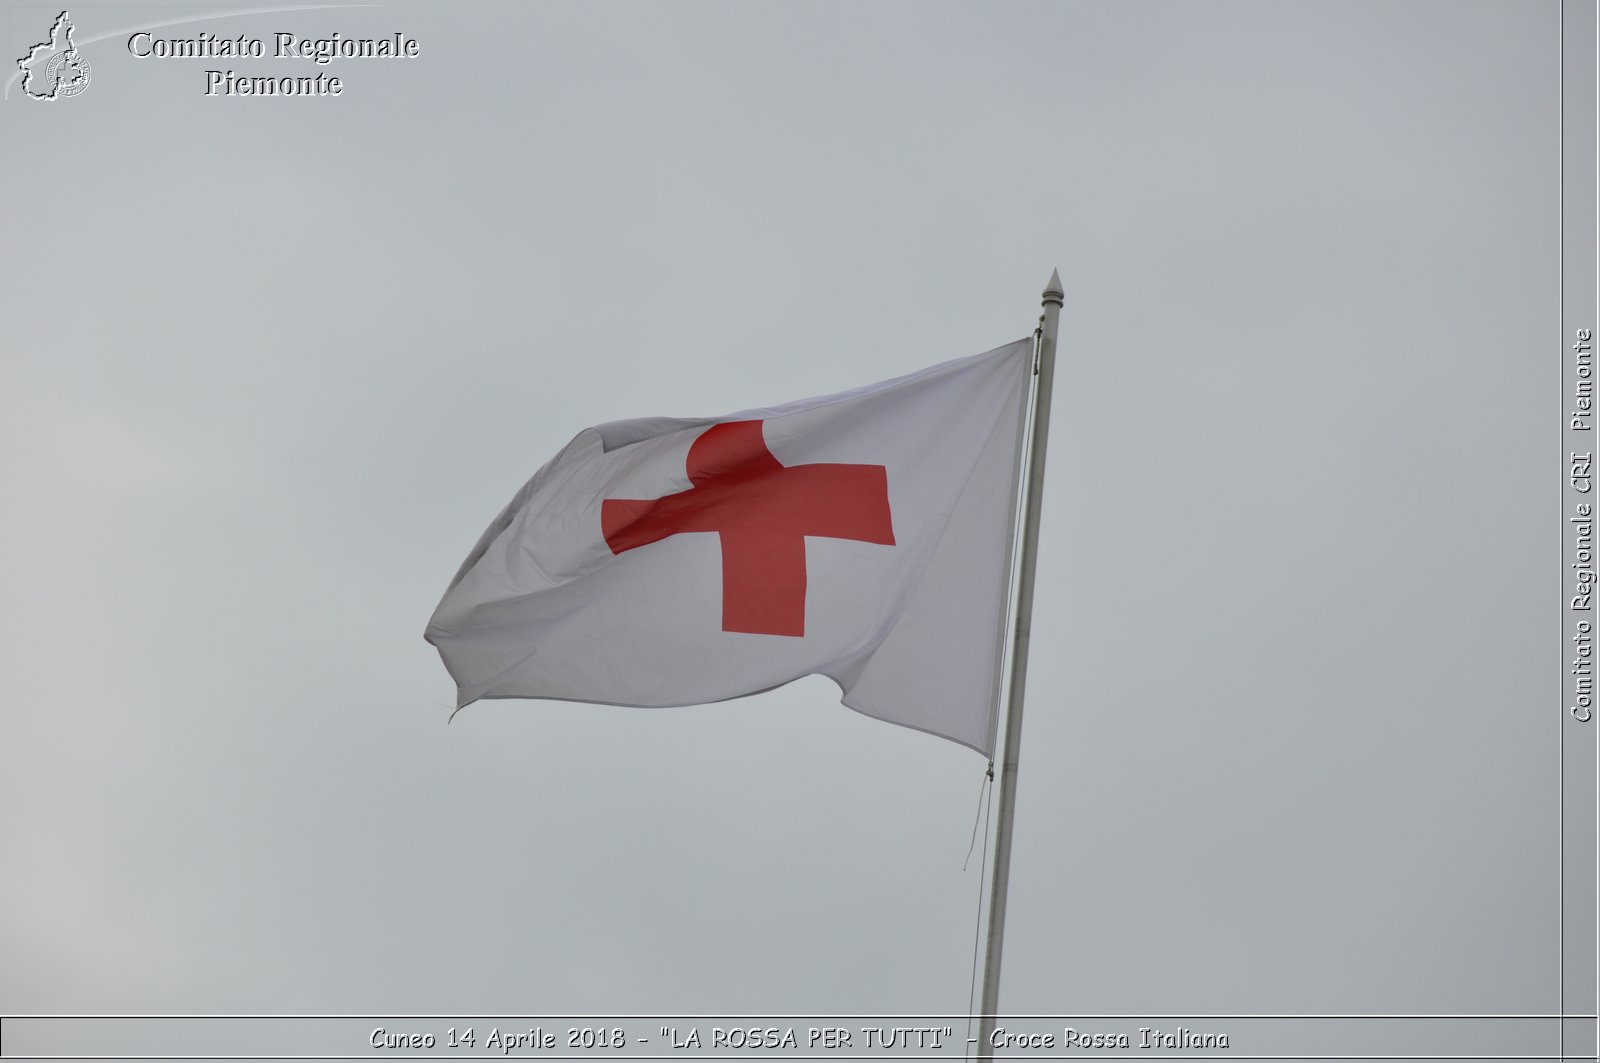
x: 978, y: 814
x: 977, y: 928
x: 1005, y: 651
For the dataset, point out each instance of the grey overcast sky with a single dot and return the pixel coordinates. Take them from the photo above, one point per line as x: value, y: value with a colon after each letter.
x: 272, y: 365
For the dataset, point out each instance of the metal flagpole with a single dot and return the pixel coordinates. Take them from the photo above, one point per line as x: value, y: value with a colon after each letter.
x: 1046, y: 369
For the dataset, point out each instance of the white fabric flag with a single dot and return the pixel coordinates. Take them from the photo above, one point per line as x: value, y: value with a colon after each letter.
x: 864, y: 536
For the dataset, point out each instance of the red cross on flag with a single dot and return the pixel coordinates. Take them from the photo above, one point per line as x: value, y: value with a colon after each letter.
x: 864, y: 536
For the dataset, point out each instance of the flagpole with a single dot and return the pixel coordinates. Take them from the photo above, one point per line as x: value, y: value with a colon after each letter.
x: 1046, y: 369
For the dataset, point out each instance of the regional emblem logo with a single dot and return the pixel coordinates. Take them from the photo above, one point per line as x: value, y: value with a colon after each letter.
x: 55, y: 68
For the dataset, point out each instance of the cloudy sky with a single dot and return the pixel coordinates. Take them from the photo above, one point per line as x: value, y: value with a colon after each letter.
x: 272, y: 366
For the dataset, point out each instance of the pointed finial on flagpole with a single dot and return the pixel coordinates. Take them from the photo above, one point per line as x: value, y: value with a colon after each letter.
x: 1053, y: 292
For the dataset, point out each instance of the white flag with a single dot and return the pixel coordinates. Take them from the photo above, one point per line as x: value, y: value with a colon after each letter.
x: 864, y: 536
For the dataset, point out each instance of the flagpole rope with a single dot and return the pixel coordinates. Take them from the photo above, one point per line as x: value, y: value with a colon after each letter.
x: 985, y: 810
x: 977, y: 814
x: 986, y: 788
x: 985, y: 791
